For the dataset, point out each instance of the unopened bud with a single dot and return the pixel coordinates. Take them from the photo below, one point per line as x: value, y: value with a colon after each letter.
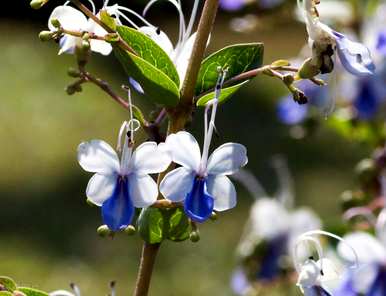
x: 214, y: 216
x: 288, y: 79
x: 46, y: 35
x: 72, y: 72
x: 130, y: 230
x: 72, y: 89
x: 90, y: 203
x: 194, y: 236
x: 104, y: 231
x: 55, y: 22
x: 112, y: 37
x: 308, y: 69
x: 37, y: 4
x: 85, y: 45
x: 298, y: 95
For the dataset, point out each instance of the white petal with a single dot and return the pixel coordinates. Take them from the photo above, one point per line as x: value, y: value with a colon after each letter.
x: 158, y: 37
x: 223, y: 192
x: 61, y: 293
x: 227, y: 159
x: 182, y: 61
x: 100, y: 188
x: 97, y: 156
x: 184, y: 150
x: 99, y: 46
x: 269, y: 218
x: 143, y: 190
x: 177, y: 184
x: 68, y: 43
x: 149, y: 158
x: 69, y: 17
x: 364, y: 276
x: 368, y: 248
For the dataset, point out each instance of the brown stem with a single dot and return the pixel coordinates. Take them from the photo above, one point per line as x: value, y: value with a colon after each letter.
x: 148, y: 256
x: 92, y: 16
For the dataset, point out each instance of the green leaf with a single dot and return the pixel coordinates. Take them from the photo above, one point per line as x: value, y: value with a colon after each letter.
x: 156, y: 85
x: 5, y: 293
x: 8, y: 283
x: 32, y: 292
x: 226, y: 93
x: 151, y: 225
x: 179, y: 226
x: 150, y: 51
x: 237, y: 58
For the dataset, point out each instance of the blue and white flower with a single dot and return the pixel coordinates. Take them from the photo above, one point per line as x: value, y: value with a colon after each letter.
x: 74, y: 20
x: 354, y: 56
x: 370, y: 277
x: 121, y: 185
x: 202, y: 182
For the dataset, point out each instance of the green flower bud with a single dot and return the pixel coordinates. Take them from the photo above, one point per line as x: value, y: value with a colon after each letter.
x: 72, y: 72
x: 90, y: 203
x: 104, y: 231
x: 130, y: 230
x: 85, y: 45
x: 55, y: 22
x: 214, y: 216
x: 288, y: 79
x: 194, y: 236
x: 308, y: 69
x: 37, y: 4
x: 46, y: 35
x: 112, y: 37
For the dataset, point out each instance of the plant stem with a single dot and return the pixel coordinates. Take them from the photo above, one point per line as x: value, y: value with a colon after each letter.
x: 148, y: 256
x: 178, y: 118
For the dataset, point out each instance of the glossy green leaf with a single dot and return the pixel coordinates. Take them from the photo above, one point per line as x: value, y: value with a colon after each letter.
x: 7, y: 283
x: 157, y: 85
x: 237, y: 59
x: 150, y: 51
x: 151, y: 225
x: 226, y: 93
x: 179, y: 226
x: 32, y: 292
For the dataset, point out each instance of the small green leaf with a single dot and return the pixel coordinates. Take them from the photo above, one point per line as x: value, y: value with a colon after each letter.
x: 156, y: 85
x: 5, y: 293
x: 108, y: 20
x: 150, y: 51
x: 281, y: 63
x: 179, y: 226
x: 226, y: 93
x: 8, y: 283
x: 151, y: 225
x: 32, y: 292
x: 237, y: 59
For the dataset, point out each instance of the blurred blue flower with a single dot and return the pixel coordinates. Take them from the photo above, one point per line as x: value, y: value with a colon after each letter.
x: 232, y: 5
x: 381, y: 43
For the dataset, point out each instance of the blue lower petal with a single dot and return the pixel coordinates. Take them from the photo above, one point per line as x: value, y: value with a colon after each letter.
x: 198, y: 202
x: 270, y: 265
x: 378, y: 287
x: 118, y: 210
x: 346, y: 287
x: 367, y: 102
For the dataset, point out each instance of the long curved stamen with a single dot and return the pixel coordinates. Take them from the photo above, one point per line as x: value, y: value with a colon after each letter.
x: 286, y: 189
x: 298, y: 262
x: 338, y: 238
x: 182, y: 24
x: 209, y: 129
x: 75, y: 288
x: 119, y: 9
x: 192, y: 20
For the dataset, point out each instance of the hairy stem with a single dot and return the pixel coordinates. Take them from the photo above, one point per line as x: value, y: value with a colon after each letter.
x: 148, y: 256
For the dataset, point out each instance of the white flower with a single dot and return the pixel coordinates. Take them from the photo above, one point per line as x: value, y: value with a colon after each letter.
x: 200, y: 182
x: 180, y: 53
x: 74, y: 20
x: 120, y: 185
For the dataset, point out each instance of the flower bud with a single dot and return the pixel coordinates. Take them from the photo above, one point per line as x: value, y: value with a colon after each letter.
x: 104, y: 231
x: 288, y: 79
x: 46, y: 35
x: 72, y: 72
x: 86, y: 45
x: 308, y: 69
x: 55, y: 22
x: 90, y: 203
x: 37, y: 4
x: 194, y: 236
x: 130, y: 230
x: 214, y: 216
x: 112, y: 37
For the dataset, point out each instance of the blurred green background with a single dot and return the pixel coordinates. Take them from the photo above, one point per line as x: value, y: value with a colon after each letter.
x: 48, y: 232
